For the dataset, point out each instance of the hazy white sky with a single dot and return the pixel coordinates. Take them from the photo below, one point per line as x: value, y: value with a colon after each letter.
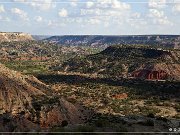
x: 105, y: 17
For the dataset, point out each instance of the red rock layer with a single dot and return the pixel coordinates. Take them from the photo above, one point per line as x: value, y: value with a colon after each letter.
x: 120, y: 96
x: 150, y: 75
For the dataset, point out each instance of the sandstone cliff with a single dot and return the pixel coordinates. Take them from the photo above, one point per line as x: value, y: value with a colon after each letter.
x: 159, y: 71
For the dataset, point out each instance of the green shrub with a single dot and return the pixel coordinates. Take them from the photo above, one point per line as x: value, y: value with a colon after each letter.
x: 64, y: 123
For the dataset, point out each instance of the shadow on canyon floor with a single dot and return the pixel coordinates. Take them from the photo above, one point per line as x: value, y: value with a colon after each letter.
x: 163, y: 89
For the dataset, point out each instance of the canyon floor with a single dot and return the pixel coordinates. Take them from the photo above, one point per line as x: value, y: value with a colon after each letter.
x: 120, y: 105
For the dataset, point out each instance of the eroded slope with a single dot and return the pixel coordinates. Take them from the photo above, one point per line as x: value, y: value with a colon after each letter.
x: 24, y: 99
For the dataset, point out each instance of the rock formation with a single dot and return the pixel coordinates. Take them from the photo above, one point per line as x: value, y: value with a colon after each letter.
x: 161, y: 71
x: 120, y: 96
x: 150, y: 74
x: 14, y: 36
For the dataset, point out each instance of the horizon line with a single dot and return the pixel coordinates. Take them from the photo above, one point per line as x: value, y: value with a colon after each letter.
x: 150, y: 34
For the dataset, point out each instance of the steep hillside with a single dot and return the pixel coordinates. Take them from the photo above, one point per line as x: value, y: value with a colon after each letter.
x: 170, y: 41
x: 14, y: 36
x: 27, y: 104
x: 131, y: 62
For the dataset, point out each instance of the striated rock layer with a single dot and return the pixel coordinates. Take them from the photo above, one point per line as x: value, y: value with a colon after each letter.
x: 14, y: 36
x: 26, y: 104
x: 159, y: 71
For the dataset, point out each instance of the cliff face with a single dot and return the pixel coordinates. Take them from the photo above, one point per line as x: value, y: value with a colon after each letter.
x: 160, y: 71
x: 24, y: 99
x: 14, y: 36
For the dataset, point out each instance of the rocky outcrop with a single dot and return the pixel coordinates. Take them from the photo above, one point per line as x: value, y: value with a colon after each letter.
x: 14, y: 36
x: 150, y: 75
x: 31, y: 101
x: 161, y: 71
x: 120, y: 96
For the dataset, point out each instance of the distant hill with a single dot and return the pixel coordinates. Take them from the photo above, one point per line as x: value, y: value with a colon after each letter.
x: 129, y: 61
x: 170, y: 41
x: 40, y: 37
x: 15, y: 36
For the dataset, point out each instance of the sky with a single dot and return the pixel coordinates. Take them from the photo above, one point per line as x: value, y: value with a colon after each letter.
x: 90, y: 17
